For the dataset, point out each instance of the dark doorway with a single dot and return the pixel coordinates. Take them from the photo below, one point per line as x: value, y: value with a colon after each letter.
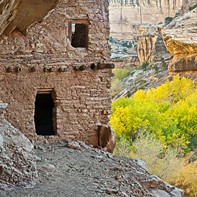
x: 44, y: 114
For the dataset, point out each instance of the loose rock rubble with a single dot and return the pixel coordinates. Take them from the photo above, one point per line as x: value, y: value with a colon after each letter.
x: 74, y: 169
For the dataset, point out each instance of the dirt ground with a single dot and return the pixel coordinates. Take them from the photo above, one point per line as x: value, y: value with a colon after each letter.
x: 73, y: 169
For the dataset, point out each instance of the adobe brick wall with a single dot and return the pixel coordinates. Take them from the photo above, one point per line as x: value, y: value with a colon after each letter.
x: 44, y: 58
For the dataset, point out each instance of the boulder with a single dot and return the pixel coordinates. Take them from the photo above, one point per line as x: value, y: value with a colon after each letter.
x: 17, y: 166
x: 106, y: 137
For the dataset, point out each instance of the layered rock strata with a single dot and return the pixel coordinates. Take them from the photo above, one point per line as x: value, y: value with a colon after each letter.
x: 188, y: 5
x: 127, y: 16
x: 180, y: 38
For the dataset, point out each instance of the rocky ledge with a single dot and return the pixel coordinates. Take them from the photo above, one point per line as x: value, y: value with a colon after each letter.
x: 180, y: 38
x: 74, y: 169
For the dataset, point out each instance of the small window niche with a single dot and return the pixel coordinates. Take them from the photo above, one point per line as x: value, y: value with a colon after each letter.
x: 79, y: 34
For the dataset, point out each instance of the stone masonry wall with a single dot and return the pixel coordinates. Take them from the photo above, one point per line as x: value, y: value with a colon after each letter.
x: 45, y: 59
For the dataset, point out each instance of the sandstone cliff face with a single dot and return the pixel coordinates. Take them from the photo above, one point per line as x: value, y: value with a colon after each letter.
x: 146, y: 43
x: 20, y: 14
x: 150, y: 45
x: 7, y: 13
x: 187, y: 5
x: 127, y: 16
x: 180, y: 38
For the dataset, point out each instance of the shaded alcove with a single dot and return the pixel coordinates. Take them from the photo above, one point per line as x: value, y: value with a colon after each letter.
x: 44, y: 114
x: 25, y: 13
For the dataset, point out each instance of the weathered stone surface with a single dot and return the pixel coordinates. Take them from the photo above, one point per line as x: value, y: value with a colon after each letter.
x: 150, y: 45
x: 127, y: 16
x: 144, y: 77
x: 180, y: 38
x: 37, y: 55
x: 8, y: 10
x: 82, y: 171
x: 20, y: 14
x: 188, y: 5
x: 146, y: 43
x: 17, y: 166
x: 107, y: 137
x: 2, y: 108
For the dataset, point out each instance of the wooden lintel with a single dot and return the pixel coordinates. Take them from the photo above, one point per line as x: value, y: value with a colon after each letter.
x: 105, y: 65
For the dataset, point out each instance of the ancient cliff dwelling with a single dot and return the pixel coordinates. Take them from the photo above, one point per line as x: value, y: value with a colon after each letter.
x: 54, y: 67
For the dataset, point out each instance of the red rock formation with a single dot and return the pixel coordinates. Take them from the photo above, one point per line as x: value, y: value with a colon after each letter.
x: 180, y: 38
x: 150, y: 45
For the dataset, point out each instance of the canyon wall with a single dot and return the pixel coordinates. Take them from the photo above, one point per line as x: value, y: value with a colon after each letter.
x: 127, y: 15
x: 180, y: 38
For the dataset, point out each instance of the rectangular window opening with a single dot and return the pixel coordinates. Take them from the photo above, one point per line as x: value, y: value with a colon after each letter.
x: 79, y: 35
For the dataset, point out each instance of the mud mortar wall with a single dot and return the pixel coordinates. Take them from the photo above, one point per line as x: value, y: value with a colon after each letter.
x: 45, y: 59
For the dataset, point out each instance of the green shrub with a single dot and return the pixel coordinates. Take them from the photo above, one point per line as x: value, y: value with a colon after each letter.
x: 168, y: 20
x: 116, y: 88
x: 144, y: 65
x: 193, y: 142
x: 120, y: 73
x: 123, y: 147
x: 192, y: 6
